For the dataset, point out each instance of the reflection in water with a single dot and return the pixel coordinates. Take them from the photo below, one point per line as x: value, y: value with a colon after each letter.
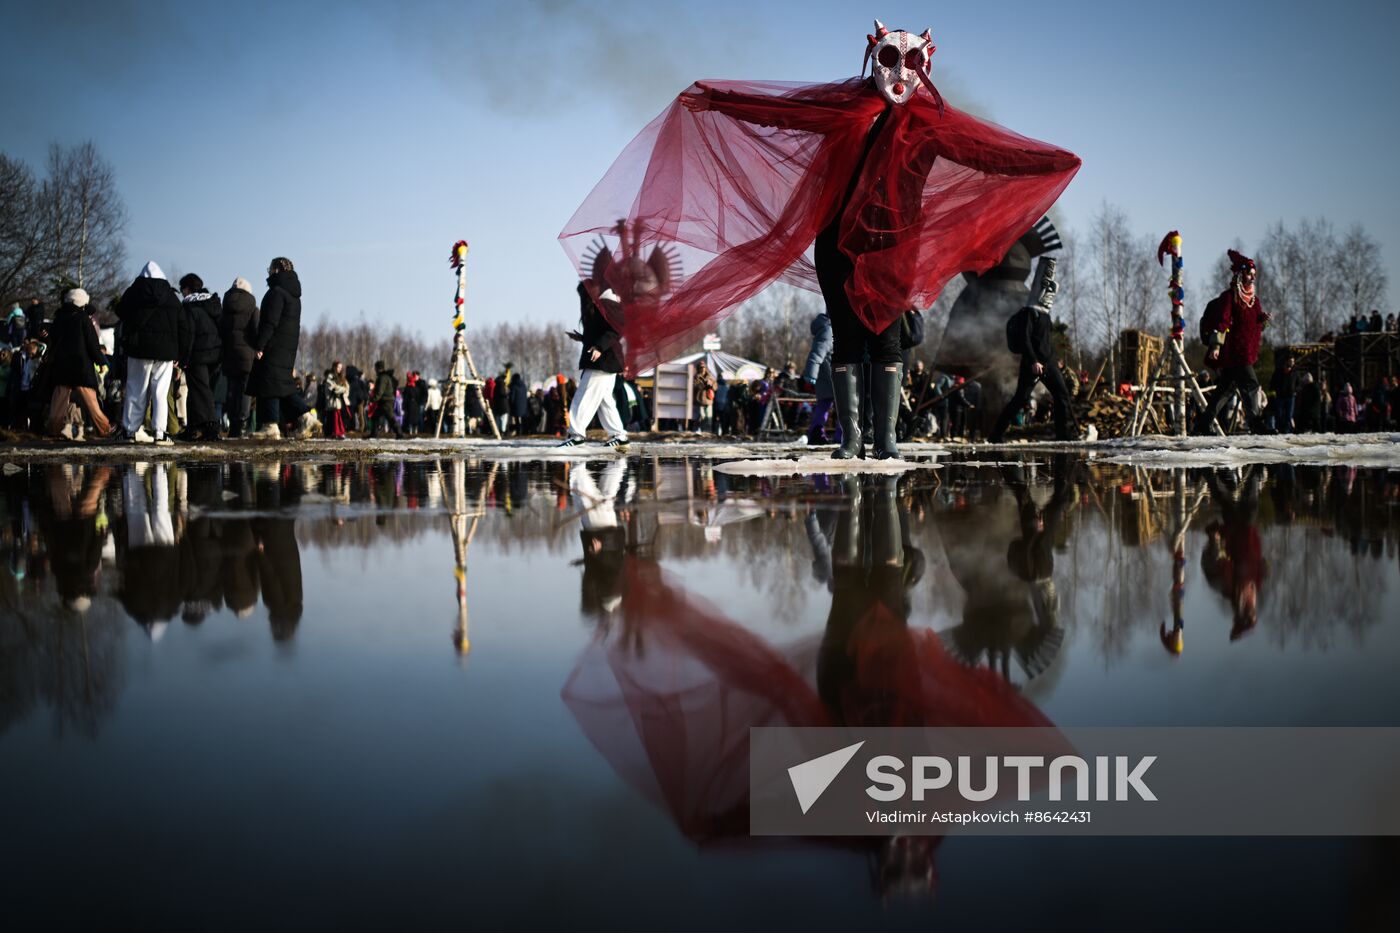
x: 706, y: 605
x: 670, y: 697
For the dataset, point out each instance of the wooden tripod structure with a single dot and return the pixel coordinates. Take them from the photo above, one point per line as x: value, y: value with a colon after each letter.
x: 1172, y: 375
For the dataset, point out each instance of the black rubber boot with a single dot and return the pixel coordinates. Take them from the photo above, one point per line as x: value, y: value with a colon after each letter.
x: 888, y: 379
x: 846, y: 543
x: 846, y: 382
x: 886, y: 536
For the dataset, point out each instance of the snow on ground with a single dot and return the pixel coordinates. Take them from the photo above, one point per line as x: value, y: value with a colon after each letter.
x: 775, y: 458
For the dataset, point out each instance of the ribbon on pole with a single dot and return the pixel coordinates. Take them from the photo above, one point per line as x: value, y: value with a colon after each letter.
x: 458, y: 261
x: 1171, y: 246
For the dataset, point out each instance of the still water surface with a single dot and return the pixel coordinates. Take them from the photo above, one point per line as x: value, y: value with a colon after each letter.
x: 447, y: 692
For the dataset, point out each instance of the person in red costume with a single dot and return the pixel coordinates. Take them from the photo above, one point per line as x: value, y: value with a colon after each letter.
x: 1233, y: 560
x: 1231, y: 328
x: 669, y: 693
x: 893, y: 190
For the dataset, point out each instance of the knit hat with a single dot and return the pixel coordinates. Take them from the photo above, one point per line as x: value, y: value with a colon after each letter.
x: 151, y: 271
x: 76, y: 297
x: 243, y: 284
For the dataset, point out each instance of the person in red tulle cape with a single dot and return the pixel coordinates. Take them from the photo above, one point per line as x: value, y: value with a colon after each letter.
x: 892, y: 190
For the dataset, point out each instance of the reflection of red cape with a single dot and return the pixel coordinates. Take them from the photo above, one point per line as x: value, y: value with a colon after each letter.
x: 743, y: 189
x: 673, y: 718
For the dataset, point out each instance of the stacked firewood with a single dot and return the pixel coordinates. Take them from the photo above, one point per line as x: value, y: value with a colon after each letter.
x: 1111, y: 414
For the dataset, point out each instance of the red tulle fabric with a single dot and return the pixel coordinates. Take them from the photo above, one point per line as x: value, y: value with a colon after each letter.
x: 670, y: 701
x: 740, y: 191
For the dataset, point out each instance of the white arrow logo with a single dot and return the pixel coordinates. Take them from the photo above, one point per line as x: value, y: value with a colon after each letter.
x: 811, y: 778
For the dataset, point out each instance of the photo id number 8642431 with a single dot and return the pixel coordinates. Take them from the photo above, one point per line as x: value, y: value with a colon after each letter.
x: 1057, y: 816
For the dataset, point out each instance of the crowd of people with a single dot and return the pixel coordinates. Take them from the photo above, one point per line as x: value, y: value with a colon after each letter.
x: 183, y: 362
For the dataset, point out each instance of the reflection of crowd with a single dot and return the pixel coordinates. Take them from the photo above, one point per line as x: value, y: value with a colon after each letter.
x: 142, y: 534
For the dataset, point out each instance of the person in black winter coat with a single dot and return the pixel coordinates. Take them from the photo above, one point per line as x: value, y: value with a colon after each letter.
x: 600, y: 362
x: 279, y: 334
x: 1038, y: 360
x: 154, y: 328
x: 384, y: 387
x: 519, y: 396
x: 238, y: 328
x: 200, y: 359
x: 73, y: 357
x: 359, y: 395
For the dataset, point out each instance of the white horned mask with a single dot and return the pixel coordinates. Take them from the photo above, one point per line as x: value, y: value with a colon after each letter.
x: 901, y: 61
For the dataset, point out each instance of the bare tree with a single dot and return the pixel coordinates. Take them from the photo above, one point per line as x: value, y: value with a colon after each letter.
x: 1070, y: 300
x: 82, y: 181
x: 64, y: 230
x: 1120, y: 276
x: 1298, y: 278
x: 21, y: 241
x: 1361, y: 277
x: 774, y: 326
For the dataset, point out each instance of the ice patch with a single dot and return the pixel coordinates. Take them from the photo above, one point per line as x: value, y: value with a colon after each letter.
x: 1374, y: 450
x: 806, y: 466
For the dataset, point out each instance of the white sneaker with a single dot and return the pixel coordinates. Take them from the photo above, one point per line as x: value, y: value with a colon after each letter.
x: 268, y: 432
x: 165, y: 441
x: 141, y: 437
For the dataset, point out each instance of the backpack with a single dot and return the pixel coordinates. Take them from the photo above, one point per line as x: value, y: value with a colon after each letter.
x: 1017, y: 326
x: 911, y: 329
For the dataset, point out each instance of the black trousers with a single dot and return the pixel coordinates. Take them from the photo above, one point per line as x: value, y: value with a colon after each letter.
x: 1233, y: 378
x: 199, y: 404
x: 1025, y: 382
x: 851, y: 340
x: 384, y: 417
x: 237, y: 404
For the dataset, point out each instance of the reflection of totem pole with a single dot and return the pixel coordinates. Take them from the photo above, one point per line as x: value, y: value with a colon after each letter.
x: 464, y: 522
x: 462, y: 372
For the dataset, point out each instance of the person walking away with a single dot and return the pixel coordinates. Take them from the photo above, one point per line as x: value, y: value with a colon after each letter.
x: 36, y: 320
x: 275, y: 354
x: 1231, y: 328
x: 1285, y: 387
x: 409, y: 394
x: 201, y: 358
x: 75, y: 356
x: 599, y: 363
x: 500, y: 399
x: 1378, y: 406
x: 385, y: 386
x: 1308, y: 416
x: 238, y: 330
x: 433, y: 405
x: 1346, y: 411
x: 519, y: 396
x: 1029, y: 332
x: 817, y: 374
x: 154, y: 328
x: 704, y: 387
x: 16, y: 327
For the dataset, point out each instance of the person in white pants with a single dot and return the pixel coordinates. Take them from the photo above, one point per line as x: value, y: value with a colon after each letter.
x: 600, y: 363
x: 155, y: 333
x: 147, y: 380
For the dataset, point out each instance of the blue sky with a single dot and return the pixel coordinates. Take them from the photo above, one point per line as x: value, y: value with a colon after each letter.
x: 361, y: 138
